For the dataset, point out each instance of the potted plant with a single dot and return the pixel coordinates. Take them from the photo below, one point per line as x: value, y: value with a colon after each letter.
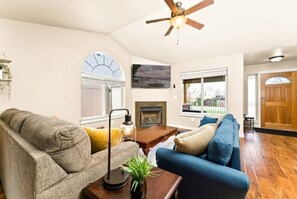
x: 139, y: 169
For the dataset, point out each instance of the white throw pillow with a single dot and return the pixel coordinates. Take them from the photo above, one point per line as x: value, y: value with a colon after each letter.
x: 195, y: 142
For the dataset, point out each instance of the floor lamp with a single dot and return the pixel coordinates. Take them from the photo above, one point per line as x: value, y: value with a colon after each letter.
x: 117, y: 178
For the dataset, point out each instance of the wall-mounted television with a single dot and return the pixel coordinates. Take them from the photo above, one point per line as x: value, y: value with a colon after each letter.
x: 151, y: 76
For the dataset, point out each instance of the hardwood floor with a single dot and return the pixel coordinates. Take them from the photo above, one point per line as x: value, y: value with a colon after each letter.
x: 271, y: 163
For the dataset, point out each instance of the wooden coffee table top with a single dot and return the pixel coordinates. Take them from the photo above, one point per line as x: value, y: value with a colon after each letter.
x: 148, y: 135
x: 162, y: 186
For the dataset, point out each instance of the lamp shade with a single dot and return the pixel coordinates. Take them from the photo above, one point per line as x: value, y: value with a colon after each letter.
x: 178, y: 21
x: 128, y: 129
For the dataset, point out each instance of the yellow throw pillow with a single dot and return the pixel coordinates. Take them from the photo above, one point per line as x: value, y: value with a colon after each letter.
x: 195, y: 142
x: 99, y: 138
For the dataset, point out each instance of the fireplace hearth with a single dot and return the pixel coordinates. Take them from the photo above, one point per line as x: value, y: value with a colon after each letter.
x: 150, y: 114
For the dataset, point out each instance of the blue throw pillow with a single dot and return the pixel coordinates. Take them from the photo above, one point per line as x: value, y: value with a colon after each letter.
x: 220, y: 148
x: 207, y: 120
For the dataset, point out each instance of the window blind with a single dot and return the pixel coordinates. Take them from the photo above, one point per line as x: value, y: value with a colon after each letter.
x: 204, y: 73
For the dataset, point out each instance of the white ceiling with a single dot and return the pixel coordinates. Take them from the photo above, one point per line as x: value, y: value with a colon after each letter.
x: 231, y: 26
x: 262, y: 57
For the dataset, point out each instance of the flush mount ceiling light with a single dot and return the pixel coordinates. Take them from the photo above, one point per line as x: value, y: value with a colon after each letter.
x: 276, y: 58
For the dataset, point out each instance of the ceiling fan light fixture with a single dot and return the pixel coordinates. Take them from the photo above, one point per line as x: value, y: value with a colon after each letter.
x: 276, y: 58
x: 178, y: 21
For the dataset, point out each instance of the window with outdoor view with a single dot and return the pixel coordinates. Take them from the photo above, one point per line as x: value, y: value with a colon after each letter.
x: 204, y: 92
x: 252, y: 96
x: 101, y: 87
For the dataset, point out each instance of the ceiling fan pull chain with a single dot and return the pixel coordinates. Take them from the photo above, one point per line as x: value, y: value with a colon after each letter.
x: 177, y: 36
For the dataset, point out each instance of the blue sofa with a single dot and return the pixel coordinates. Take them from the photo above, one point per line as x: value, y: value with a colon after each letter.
x: 205, y: 176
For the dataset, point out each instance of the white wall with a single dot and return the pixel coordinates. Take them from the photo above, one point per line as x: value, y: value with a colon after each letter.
x: 234, y: 63
x: 46, y: 65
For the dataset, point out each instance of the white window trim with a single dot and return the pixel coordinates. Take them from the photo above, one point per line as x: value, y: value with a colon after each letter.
x: 101, y: 78
x: 89, y: 120
x: 256, y: 96
x: 202, y: 74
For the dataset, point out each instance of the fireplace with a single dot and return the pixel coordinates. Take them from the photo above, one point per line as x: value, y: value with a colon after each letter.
x: 150, y: 114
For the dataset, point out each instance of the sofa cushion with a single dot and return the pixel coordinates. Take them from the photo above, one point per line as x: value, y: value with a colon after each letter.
x: 226, y: 122
x: 229, y: 116
x: 8, y: 114
x: 221, y: 146
x: 67, y: 144
x: 195, y: 142
x: 99, y: 138
x: 207, y: 120
x: 18, y: 120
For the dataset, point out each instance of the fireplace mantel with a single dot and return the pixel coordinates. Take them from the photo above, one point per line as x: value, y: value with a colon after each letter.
x: 150, y: 104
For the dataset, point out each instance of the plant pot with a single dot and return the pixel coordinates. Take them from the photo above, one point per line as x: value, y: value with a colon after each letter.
x: 139, y: 192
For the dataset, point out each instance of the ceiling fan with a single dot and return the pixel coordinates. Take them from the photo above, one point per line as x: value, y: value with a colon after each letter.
x: 178, y: 15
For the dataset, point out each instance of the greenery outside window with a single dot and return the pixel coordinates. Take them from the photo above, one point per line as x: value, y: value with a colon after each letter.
x: 102, y: 87
x: 204, y: 92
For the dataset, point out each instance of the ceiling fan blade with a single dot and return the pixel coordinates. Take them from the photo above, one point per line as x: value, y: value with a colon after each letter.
x: 171, y: 5
x: 194, y: 24
x: 157, y: 20
x: 169, y: 31
x: 199, y: 6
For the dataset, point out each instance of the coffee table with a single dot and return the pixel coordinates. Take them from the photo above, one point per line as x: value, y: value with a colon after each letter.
x: 162, y: 186
x: 149, y: 137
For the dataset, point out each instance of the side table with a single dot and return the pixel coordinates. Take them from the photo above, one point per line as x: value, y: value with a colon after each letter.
x: 248, y: 122
x: 156, y: 187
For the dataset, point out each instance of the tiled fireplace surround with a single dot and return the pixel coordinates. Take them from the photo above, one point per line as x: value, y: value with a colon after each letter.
x: 150, y: 113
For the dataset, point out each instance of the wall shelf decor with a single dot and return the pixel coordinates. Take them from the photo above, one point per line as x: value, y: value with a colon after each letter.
x: 5, y: 75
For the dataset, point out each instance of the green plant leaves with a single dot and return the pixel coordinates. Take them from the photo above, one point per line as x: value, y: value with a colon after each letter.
x: 139, y: 168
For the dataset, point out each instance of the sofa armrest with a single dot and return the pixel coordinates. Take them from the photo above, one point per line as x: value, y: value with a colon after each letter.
x: 25, y: 170
x: 120, y: 153
x: 202, y: 178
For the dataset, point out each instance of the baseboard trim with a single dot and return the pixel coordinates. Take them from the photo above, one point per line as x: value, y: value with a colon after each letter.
x: 276, y: 132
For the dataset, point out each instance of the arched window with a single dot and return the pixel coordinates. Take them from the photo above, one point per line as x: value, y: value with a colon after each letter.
x: 102, y: 85
x: 278, y: 80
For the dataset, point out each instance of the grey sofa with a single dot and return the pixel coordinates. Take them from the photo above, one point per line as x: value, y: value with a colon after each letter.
x: 48, y: 158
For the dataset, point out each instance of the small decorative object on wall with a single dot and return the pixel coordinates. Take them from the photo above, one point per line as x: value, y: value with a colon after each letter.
x: 139, y: 169
x: 5, y: 74
x: 151, y: 76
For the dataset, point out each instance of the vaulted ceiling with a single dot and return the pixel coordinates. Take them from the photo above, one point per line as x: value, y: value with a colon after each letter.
x: 231, y: 26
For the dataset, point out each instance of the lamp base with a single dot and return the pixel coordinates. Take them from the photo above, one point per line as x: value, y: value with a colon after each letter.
x: 118, y: 179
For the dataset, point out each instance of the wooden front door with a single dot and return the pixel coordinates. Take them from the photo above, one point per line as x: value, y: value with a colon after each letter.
x: 278, y: 101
